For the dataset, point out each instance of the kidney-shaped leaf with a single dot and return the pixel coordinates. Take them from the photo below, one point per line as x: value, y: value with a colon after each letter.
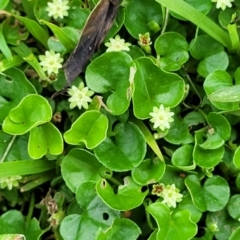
x: 149, y: 171
x: 173, y: 50
x: 177, y: 226
x: 121, y: 229
x: 13, y: 87
x: 90, y: 128
x: 128, y: 196
x: 124, y: 151
x: 153, y: 87
x: 80, y: 166
x: 32, y: 111
x: 45, y: 139
x: 110, y: 73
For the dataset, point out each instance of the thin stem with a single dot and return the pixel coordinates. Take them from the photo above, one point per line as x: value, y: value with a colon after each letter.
x: 165, y: 21
x: 148, y: 217
x: 114, y: 180
x: 30, y: 210
x: 193, y: 86
x: 8, y: 148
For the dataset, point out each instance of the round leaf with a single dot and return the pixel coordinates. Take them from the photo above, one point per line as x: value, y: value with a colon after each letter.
x: 173, y: 50
x: 220, y: 125
x: 218, y: 61
x: 121, y: 229
x: 90, y: 128
x: 153, y: 87
x: 79, y: 166
x: 235, y: 234
x: 216, y: 193
x: 45, y: 139
x: 177, y: 226
x: 149, y: 171
x: 124, y: 151
x: 31, y: 112
x: 233, y: 207
x: 236, y: 157
x: 121, y: 200
x: 109, y: 73
x: 138, y: 13
x: 216, y: 81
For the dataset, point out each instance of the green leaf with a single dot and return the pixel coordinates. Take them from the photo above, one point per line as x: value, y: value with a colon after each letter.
x: 13, y: 87
x: 206, y: 158
x: 18, y: 148
x: 236, y: 158
x: 213, y: 196
x: 227, y: 94
x: 187, y: 204
x: 25, y: 167
x: 80, y: 166
x: 3, y: 45
x: 95, y: 215
x: 217, y: 81
x: 147, y: 80
x: 216, y: 193
x: 13, y: 222
x: 199, y: 19
x: 177, y: 226
x: 6, y: 64
x: 110, y: 73
x: 120, y: 229
x: 183, y: 159
x: 172, y: 49
x: 90, y: 128
x: 220, y: 125
x: 35, y: 29
x: 3, y: 4
x: 225, y: 224
x: 218, y: 61
x: 63, y: 37
x: 138, y: 13
x: 179, y: 132
x: 26, y: 53
x: 124, y: 151
x: 121, y: 200
x: 149, y: 171
x: 233, y: 207
x: 45, y: 139
x: 31, y: 112
x: 235, y: 234
x: 196, y: 191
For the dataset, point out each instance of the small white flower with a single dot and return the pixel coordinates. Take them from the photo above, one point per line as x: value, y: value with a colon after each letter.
x: 57, y: 9
x: 117, y: 44
x: 9, y: 182
x: 171, y: 195
x: 223, y: 3
x: 161, y: 117
x: 51, y: 62
x: 80, y: 96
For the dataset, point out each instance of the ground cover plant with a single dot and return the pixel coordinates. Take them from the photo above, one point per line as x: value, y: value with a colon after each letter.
x: 131, y: 135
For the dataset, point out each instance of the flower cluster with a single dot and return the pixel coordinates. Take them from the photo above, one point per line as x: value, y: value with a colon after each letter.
x: 51, y: 62
x: 169, y: 193
x: 223, y: 3
x: 80, y: 96
x: 161, y: 117
x: 57, y: 9
x: 117, y: 44
x: 9, y: 182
